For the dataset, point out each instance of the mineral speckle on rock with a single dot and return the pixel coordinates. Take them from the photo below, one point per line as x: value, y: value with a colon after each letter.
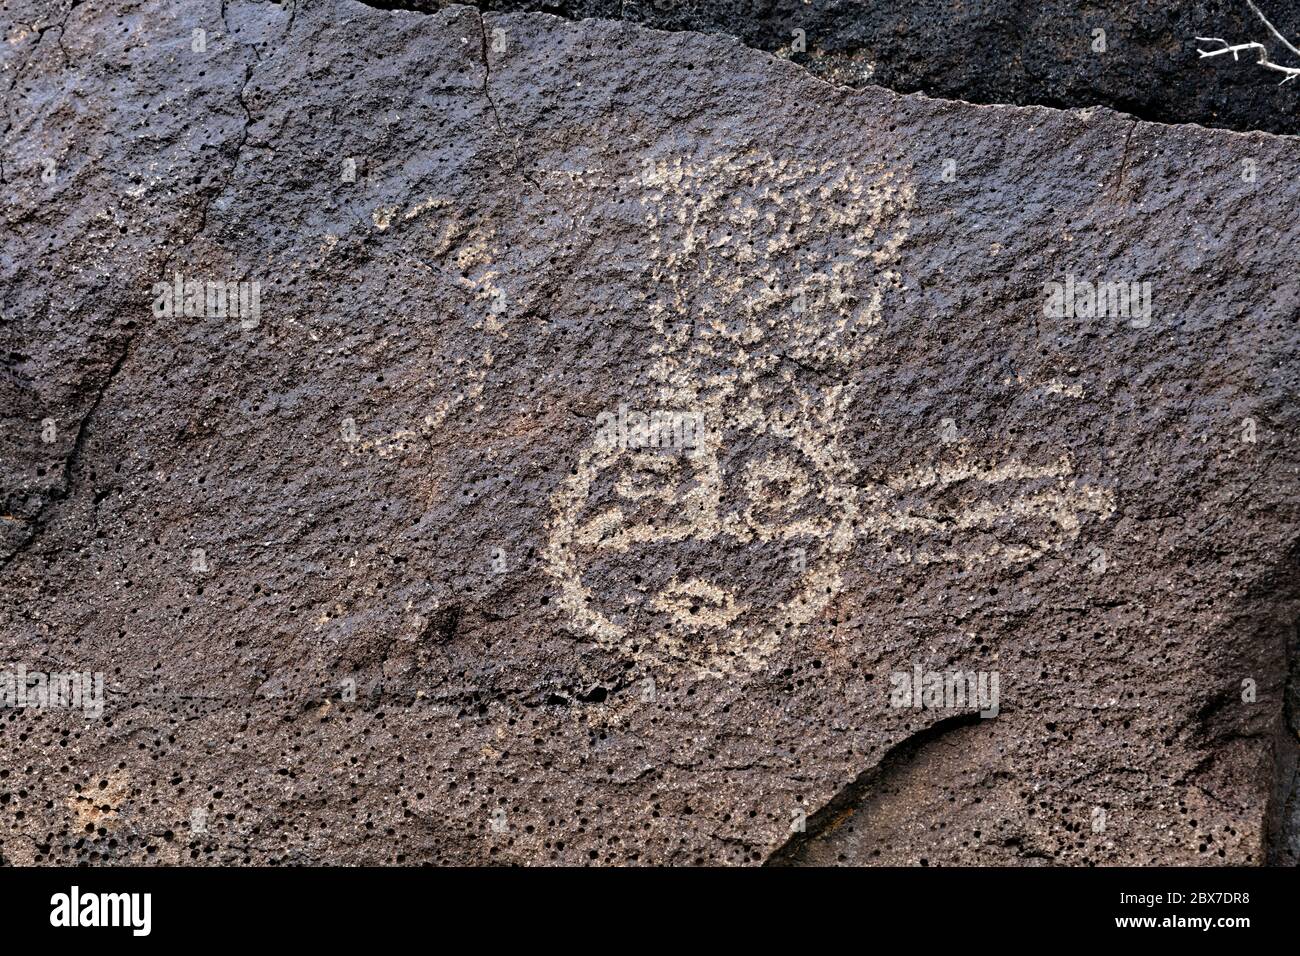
x: 467, y: 437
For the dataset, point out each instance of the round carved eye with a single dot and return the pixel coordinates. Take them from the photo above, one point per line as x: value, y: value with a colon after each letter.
x: 776, y: 481
x: 772, y: 490
x: 654, y: 498
x: 650, y: 476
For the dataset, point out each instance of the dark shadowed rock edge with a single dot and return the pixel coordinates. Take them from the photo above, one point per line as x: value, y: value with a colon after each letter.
x: 1144, y: 62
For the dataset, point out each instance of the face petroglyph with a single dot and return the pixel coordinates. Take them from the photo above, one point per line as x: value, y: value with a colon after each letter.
x: 710, y: 555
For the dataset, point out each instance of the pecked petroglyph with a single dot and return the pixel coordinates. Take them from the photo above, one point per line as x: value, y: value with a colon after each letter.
x: 906, y: 518
x: 470, y: 253
x: 766, y: 268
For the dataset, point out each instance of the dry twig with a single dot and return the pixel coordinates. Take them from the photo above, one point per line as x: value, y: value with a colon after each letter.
x: 1291, y: 71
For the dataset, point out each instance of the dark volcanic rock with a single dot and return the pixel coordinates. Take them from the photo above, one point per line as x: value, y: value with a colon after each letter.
x: 367, y: 582
x: 1138, y: 56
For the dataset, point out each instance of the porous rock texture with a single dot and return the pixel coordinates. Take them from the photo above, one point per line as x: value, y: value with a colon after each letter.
x: 367, y: 585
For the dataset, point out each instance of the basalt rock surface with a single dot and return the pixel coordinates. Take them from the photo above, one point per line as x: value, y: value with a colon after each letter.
x: 386, y: 569
x: 1137, y: 56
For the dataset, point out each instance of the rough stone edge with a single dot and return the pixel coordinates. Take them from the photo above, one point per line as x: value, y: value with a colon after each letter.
x: 1085, y: 113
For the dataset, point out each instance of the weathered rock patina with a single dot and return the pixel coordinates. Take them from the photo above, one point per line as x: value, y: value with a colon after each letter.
x: 1136, y: 56
x: 368, y: 581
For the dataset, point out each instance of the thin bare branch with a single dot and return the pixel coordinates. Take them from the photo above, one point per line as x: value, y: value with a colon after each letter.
x: 1291, y: 71
x: 1276, y: 32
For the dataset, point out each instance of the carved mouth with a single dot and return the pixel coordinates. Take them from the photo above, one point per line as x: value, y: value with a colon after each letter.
x: 697, y: 605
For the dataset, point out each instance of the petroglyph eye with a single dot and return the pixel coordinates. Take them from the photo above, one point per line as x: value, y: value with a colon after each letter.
x: 774, y: 487
x: 644, y: 498
x: 650, y: 476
